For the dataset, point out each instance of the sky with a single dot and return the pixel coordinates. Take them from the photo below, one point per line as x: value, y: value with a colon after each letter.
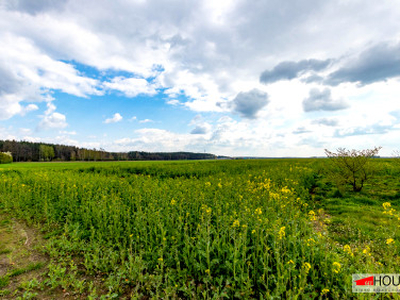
x: 240, y: 78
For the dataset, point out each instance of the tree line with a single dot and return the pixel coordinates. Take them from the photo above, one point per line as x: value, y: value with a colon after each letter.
x: 24, y: 151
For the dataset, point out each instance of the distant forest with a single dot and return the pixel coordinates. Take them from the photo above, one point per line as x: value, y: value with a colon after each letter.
x: 23, y: 151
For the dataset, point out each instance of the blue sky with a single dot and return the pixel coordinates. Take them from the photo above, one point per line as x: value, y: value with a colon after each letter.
x: 258, y: 78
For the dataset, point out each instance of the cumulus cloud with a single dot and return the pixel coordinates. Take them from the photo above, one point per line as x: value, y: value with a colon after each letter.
x: 373, y: 64
x: 152, y: 139
x: 131, y: 87
x: 201, y: 127
x: 29, y: 75
x: 201, y: 53
x: 52, y: 119
x: 301, y: 130
x: 363, y: 130
x: 326, y: 122
x: 116, y: 118
x: 199, y: 130
x: 377, y: 63
x: 29, y: 108
x: 68, y: 132
x: 289, y: 70
x: 9, y: 108
x: 34, y: 7
x: 145, y: 121
x: 248, y: 104
x: 321, y: 100
x: 173, y: 102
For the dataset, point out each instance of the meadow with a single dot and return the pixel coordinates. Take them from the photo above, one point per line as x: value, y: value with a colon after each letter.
x: 263, y: 229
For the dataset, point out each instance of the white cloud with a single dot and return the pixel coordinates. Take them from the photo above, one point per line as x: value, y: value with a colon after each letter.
x: 173, y: 102
x: 53, y: 121
x: 146, y: 121
x: 116, y: 118
x: 201, y: 126
x: 68, y: 132
x: 29, y: 108
x: 206, y: 53
x: 28, y: 74
x: 131, y: 87
x: 318, y: 100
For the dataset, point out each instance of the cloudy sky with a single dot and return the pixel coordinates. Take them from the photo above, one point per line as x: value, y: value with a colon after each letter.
x: 259, y: 78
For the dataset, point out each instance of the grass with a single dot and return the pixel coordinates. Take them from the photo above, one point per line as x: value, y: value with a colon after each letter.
x: 194, y: 229
x: 363, y: 212
x: 21, y: 259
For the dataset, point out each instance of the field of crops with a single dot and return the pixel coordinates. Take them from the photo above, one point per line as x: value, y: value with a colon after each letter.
x: 204, y: 229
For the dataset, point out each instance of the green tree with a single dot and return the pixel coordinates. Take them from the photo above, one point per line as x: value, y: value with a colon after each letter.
x: 6, y: 158
x: 352, y: 166
x: 46, y: 152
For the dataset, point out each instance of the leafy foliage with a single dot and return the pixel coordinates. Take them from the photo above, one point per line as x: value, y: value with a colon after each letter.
x: 29, y: 151
x: 351, y: 166
x: 233, y: 229
x: 5, y: 158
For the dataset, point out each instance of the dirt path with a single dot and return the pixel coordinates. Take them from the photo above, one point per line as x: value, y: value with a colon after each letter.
x: 22, y: 262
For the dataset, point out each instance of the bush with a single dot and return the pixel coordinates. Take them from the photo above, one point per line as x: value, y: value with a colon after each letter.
x: 6, y: 158
x: 351, y: 166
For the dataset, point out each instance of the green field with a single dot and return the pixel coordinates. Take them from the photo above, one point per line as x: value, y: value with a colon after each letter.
x: 261, y: 229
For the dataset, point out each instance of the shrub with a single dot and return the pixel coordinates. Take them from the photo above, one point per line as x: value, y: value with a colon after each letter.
x: 351, y: 166
x: 5, y: 158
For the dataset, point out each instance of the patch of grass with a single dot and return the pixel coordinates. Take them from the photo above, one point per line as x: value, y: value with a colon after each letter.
x: 4, y: 293
x: 5, y: 222
x: 30, y: 267
x: 4, y: 281
x: 5, y: 251
x: 359, y: 219
x: 20, y: 259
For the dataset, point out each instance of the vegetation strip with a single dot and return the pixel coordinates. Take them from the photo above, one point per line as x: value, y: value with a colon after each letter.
x: 236, y: 229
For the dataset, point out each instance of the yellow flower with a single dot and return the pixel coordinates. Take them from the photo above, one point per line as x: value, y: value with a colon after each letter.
x: 366, y: 250
x: 336, y: 267
x: 347, y: 249
x: 160, y: 259
x: 206, y: 209
x: 290, y: 262
x: 173, y: 202
x: 324, y: 291
x: 236, y: 223
x: 312, y: 216
x: 310, y: 242
x: 253, y: 231
x: 306, y: 267
x: 258, y: 211
x: 389, y: 241
x: 386, y: 205
x: 208, y: 271
x: 281, y: 232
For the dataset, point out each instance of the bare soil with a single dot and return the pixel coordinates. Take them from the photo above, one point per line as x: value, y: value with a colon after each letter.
x: 22, y: 260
